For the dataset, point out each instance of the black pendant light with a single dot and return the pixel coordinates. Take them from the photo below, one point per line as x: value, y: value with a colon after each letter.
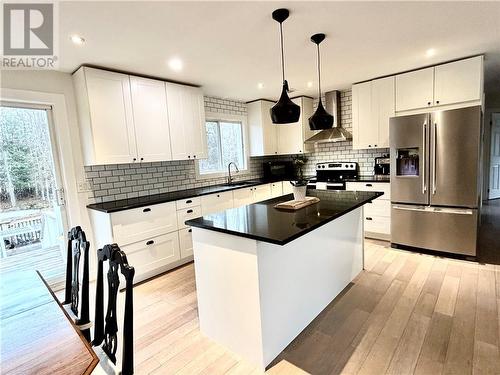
x: 321, y: 119
x: 284, y: 111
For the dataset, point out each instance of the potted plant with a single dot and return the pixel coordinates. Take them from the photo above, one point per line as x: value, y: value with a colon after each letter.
x: 300, y: 184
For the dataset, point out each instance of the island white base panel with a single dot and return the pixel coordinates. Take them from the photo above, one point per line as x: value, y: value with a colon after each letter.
x: 255, y: 297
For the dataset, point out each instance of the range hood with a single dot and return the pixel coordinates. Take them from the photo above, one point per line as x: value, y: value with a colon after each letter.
x: 336, y: 133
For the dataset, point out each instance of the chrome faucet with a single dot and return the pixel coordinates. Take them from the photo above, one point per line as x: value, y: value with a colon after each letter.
x: 229, y: 178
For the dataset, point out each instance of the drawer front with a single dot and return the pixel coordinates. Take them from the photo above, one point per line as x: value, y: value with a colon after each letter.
x: 262, y: 192
x: 141, y: 223
x: 276, y: 189
x: 216, y: 202
x: 148, y: 255
x: 378, y: 208
x: 384, y: 187
x: 186, y: 242
x: 186, y: 214
x: 243, y: 197
x: 378, y: 224
x: 188, y: 202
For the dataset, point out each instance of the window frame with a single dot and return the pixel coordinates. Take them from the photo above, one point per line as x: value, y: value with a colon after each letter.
x: 227, y: 117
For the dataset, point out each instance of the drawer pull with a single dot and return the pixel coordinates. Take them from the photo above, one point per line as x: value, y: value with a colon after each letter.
x: 189, y: 211
x: 189, y: 201
x: 147, y: 210
x: 190, y: 230
x: 150, y: 242
x: 369, y: 185
x: 218, y: 196
x: 369, y: 218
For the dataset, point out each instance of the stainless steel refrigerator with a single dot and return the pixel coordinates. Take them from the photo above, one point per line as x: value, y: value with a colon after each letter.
x: 435, y: 186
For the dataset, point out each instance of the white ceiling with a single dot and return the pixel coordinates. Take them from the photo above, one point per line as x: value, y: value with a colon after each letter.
x: 229, y: 47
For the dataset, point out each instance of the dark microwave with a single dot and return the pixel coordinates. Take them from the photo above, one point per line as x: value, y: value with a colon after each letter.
x: 278, y: 170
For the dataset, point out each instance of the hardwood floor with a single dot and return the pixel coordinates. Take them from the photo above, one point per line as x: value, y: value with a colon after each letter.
x: 406, y: 313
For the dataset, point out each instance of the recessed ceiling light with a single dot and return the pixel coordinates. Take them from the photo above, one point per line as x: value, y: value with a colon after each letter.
x: 309, y: 84
x: 77, y: 39
x: 260, y: 85
x: 430, y: 52
x: 175, y: 64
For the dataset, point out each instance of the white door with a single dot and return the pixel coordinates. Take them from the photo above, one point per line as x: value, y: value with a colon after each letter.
x: 383, y: 103
x: 495, y: 157
x: 365, y: 127
x: 179, y: 133
x: 458, y: 82
x: 290, y: 135
x: 110, y: 106
x: 196, y: 123
x: 33, y: 223
x: 414, y: 90
x: 149, y: 103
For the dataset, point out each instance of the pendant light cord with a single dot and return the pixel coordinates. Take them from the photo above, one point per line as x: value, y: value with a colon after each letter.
x: 319, y: 76
x: 282, y: 51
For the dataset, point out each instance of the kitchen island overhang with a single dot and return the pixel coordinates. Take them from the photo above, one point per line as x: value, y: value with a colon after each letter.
x: 262, y: 274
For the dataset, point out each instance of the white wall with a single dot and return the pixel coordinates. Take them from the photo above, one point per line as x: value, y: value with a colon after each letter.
x: 57, y: 83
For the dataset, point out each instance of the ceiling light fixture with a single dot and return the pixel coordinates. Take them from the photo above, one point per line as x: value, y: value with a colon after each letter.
x: 321, y: 119
x: 430, y: 52
x: 77, y: 39
x: 284, y: 111
x: 175, y: 64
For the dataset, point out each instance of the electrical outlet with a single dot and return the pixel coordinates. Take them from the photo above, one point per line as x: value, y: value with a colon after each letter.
x: 84, y: 186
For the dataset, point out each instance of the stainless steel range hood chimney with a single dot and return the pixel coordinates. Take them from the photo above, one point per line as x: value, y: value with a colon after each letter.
x: 336, y: 133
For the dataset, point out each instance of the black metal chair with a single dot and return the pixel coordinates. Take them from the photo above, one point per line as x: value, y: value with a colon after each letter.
x: 106, y: 329
x: 78, y: 246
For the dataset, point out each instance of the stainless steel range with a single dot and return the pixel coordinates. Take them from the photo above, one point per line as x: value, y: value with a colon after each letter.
x: 333, y: 175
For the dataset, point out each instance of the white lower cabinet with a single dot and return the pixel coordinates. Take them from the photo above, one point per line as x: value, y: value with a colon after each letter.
x: 186, y: 242
x: 276, y: 189
x: 153, y: 255
x: 377, y: 214
x: 287, y: 187
x: 262, y: 192
x: 243, y: 197
x: 216, y: 202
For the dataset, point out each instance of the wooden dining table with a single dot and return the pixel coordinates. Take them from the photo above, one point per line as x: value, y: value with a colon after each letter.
x: 36, y: 334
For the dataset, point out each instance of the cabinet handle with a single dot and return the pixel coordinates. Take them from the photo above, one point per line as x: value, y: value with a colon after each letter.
x: 369, y: 185
x: 134, y: 159
x: 150, y: 242
x: 190, y: 230
x: 146, y: 210
x: 189, y: 156
x: 189, y: 201
x: 374, y: 145
x: 428, y: 103
x: 369, y: 145
x: 437, y: 101
x: 189, y: 211
x: 300, y: 150
x: 142, y: 159
x: 369, y: 218
x: 194, y: 156
x: 218, y: 196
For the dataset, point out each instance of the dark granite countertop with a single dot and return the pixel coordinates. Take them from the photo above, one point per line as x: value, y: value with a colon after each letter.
x: 370, y: 179
x: 261, y: 221
x: 127, y: 204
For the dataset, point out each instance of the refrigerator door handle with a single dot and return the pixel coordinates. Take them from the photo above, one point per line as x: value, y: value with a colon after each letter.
x: 424, y: 139
x: 409, y: 208
x: 434, y: 156
x: 456, y: 211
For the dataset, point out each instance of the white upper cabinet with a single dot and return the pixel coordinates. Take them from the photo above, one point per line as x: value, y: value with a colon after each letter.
x: 127, y: 119
x: 186, y: 115
x: 267, y: 138
x: 452, y: 85
x: 459, y: 81
x: 106, y: 119
x: 415, y: 89
x: 383, y: 107
x: 372, y: 106
x: 152, y: 132
x: 364, y: 129
x: 263, y: 133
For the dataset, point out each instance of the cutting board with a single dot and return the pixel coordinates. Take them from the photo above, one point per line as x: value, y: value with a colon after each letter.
x: 294, y: 205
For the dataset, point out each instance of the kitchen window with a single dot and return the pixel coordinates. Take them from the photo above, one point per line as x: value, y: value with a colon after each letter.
x: 225, y: 144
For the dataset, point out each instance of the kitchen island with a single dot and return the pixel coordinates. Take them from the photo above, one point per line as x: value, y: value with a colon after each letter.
x: 263, y: 274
